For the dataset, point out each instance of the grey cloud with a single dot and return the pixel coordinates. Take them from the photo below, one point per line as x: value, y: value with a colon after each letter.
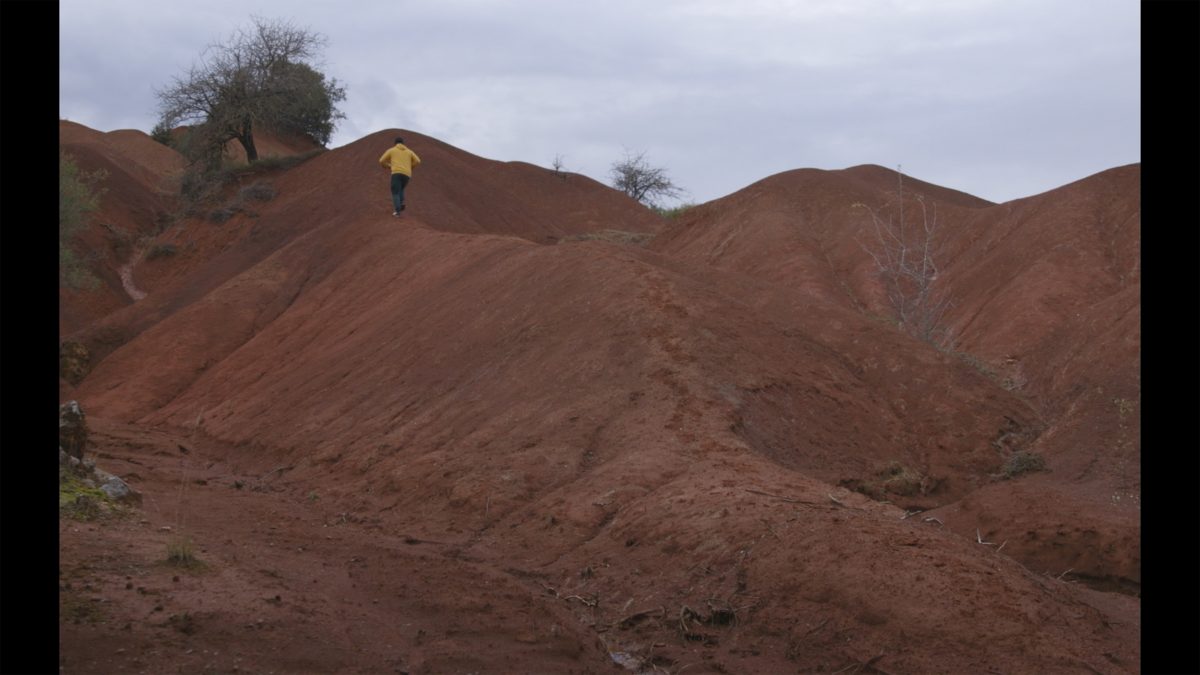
x: 1001, y: 99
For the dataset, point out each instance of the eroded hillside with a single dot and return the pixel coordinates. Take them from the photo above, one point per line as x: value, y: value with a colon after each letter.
x: 711, y: 452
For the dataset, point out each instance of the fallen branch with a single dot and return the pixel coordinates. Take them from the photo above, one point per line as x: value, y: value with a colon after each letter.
x: 586, y: 601
x: 933, y: 519
x: 979, y: 538
x: 638, y: 616
x: 835, y: 500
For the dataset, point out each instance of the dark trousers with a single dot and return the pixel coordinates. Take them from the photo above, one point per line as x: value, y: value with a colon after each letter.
x: 399, y: 182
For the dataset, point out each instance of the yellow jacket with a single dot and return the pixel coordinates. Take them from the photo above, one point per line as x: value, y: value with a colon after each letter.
x: 399, y: 159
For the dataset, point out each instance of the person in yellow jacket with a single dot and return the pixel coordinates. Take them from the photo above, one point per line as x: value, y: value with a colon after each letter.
x: 400, y: 161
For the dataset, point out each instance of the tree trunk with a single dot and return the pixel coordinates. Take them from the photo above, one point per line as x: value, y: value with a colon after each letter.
x: 246, y: 138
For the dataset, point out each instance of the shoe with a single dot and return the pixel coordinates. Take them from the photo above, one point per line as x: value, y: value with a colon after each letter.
x: 396, y: 213
x: 402, y: 206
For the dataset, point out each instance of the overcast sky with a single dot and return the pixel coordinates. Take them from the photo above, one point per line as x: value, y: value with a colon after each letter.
x: 1002, y: 99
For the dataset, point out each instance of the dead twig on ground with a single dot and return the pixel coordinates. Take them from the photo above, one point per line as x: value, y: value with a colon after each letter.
x: 933, y: 519
x: 638, y: 616
x: 768, y: 494
x: 816, y: 628
x: 979, y: 538
x: 858, y: 666
x: 835, y: 500
x: 277, y: 470
x: 590, y: 602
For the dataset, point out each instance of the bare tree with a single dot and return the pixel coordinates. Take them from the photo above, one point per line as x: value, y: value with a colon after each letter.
x: 260, y: 76
x: 559, y: 167
x: 635, y: 177
x: 904, y: 253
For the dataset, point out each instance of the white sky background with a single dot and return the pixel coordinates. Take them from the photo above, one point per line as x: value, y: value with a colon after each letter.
x: 1001, y: 99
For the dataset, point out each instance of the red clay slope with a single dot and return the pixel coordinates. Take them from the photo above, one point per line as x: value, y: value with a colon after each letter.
x: 1045, y: 294
x: 456, y: 190
x: 141, y: 177
x: 657, y: 444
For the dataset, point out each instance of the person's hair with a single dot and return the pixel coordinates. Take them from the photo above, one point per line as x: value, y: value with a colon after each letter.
x: 399, y: 139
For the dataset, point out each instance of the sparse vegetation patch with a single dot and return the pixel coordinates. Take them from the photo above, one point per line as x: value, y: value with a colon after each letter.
x: 616, y: 236
x: 80, y: 501
x: 161, y: 251
x: 1022, y: 462
x: 181, y: 552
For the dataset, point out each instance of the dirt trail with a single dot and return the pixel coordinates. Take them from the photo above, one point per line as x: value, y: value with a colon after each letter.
x: 126, y: 274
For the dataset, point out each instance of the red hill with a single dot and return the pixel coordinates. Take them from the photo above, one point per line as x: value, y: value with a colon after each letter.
x: 452, y: 446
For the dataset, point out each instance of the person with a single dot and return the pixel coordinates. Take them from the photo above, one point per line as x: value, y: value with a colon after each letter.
x: 400, y: 161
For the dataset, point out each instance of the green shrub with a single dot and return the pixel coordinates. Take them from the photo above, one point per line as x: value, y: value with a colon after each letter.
x: 78, y: 198
x: 162, y: 133
x: 224, y: 213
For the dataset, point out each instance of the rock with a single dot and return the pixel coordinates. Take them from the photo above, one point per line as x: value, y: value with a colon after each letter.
x: 118, y: 490
x: 72, y: 429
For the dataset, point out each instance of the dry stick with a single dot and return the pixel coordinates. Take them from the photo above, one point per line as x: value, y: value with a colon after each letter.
x: 933, y: 519
x: 979, y: 539
x: 642, y: 614
x: 818, y: 627
x: 835, y: 500
x: 1059, y: 577
x: 282, y: 468
x: 589, y: 603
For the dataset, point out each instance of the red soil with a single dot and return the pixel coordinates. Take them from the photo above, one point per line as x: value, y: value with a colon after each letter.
x: 438, y: 444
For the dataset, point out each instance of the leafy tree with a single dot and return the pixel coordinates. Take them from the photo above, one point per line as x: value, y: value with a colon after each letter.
x: 635, y: 177
x: 77, y: 199
x: 262, y: 76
